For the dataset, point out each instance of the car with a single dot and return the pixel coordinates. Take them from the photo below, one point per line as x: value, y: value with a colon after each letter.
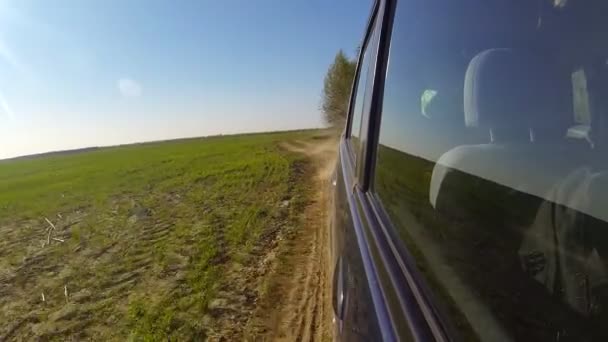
x: 470, y: 196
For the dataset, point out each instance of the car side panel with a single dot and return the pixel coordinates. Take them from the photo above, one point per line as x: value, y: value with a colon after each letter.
x: 360, y: 318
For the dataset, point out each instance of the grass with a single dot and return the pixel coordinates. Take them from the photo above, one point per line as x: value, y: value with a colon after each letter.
x: 150, y: 232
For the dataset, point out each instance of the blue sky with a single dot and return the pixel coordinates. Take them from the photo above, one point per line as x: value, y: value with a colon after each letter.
x: 89, y: 73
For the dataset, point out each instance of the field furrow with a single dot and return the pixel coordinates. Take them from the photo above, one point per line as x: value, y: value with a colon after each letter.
x: 167, y: 240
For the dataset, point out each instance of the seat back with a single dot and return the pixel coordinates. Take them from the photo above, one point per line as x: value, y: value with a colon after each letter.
x: 523, y: 103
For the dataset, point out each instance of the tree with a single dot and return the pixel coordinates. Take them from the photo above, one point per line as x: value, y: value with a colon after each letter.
x: 336, y: 89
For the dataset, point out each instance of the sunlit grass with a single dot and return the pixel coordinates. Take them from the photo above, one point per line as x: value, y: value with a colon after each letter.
x: 148, y: 233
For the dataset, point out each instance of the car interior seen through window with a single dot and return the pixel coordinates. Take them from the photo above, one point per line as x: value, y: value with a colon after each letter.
x: 492, y: 163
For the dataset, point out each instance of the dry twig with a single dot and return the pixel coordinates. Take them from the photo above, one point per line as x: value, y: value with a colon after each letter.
x: 51, y: 228
x: 50, y: 223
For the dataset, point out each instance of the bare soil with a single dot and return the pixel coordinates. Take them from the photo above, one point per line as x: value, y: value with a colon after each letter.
x: 295, y: 305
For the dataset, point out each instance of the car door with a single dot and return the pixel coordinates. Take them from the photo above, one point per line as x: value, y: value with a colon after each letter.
x: 377, y: 293
x: 360, y: 311
x: 468, y: 208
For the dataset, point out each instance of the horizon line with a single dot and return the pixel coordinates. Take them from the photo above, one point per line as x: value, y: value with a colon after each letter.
x: 95, y: 147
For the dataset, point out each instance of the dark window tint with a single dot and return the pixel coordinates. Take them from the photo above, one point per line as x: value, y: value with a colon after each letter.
x: 492, y: 165
x: 359, y: 97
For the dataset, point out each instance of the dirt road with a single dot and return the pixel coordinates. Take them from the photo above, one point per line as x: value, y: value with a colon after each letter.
x: 297, y: 304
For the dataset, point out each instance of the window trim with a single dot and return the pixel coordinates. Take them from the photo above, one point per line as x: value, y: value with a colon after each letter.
x: 371, y: 27
x: 372, y: 130
x: 436, y: 316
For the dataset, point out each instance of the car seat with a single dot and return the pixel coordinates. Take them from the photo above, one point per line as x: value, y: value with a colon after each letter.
x: 525, y: 105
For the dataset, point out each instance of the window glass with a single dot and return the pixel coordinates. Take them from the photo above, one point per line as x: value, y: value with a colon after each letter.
x: 580, y: 98
x: 484, y: 169
x: 359, y: 100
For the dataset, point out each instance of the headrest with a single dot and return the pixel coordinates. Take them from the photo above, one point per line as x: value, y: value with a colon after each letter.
x: 514, y: 90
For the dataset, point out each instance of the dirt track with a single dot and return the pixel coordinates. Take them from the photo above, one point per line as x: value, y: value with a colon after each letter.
x: 297, y: 306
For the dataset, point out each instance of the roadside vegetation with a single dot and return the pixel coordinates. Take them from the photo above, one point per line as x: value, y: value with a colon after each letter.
x: 337, y: 87
x: 155, y: 241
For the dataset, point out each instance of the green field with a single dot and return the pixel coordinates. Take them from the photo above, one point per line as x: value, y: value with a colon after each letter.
x: 152, y: 241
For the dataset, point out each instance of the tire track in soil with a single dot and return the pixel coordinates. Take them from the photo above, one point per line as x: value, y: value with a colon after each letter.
x: 78, y: 314
x: 298, y: 307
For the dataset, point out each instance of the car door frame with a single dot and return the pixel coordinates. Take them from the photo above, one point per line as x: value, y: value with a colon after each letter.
x: 369, y: 30
x: 352, y: 163
x: 398, y: 289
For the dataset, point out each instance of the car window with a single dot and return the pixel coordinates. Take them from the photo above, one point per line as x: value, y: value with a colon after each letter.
x: 363, y: 75
x: 490, y: 168
x: 580, y: 98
